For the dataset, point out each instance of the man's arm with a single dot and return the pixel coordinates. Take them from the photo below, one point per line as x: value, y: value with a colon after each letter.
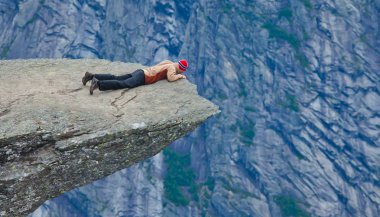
x: 172, y: 75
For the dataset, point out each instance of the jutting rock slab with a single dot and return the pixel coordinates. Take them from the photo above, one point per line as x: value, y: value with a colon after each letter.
x: 54, y: 136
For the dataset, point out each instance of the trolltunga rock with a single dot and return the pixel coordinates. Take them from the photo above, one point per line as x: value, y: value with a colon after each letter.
x: 54, y: 136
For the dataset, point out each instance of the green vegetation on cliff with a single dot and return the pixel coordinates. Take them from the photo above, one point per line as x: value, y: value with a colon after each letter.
x: 179, y: 176
x: 277, y: 32
x: 290, y: 207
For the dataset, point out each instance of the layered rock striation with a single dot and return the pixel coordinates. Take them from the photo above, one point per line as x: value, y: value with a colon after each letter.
x: 54, y: 136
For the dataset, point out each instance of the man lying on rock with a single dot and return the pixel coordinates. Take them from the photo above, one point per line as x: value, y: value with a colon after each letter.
x: 164, y: 70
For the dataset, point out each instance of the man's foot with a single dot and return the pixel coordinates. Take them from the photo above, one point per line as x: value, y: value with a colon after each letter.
x: 94, y: 85
x: 87, y: 77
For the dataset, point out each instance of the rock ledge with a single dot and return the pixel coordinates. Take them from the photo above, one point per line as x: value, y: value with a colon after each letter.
x: 54, y: 136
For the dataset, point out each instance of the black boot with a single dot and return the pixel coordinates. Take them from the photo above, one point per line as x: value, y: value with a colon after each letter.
x: 87, y: 77
x: 94, y: 85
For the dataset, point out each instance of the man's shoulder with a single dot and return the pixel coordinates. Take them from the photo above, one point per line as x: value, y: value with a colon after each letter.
x: 170, y: 66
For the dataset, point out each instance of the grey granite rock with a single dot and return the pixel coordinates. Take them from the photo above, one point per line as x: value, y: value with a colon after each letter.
x: 54, y: 136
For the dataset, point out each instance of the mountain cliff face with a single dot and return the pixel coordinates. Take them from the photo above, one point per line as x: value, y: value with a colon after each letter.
x: 298, y: 87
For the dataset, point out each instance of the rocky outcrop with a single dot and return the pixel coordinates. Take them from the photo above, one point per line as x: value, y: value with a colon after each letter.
x: 54, y: 136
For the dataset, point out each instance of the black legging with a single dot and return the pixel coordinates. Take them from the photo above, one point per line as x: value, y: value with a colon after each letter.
x: 114, y: 82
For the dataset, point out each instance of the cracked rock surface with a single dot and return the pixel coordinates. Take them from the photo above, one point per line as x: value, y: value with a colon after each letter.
x: 54, y: 136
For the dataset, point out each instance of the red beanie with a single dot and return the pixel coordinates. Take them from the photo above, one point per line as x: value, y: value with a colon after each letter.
x: 183, y: 65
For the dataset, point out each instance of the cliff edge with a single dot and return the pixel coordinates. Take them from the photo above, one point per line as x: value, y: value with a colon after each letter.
x: 54, y: 136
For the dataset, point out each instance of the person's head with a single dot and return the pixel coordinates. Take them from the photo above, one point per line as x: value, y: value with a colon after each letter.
x: 182, y: 65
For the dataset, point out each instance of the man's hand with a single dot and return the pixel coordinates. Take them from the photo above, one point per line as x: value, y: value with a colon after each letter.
x: 183, y: 77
